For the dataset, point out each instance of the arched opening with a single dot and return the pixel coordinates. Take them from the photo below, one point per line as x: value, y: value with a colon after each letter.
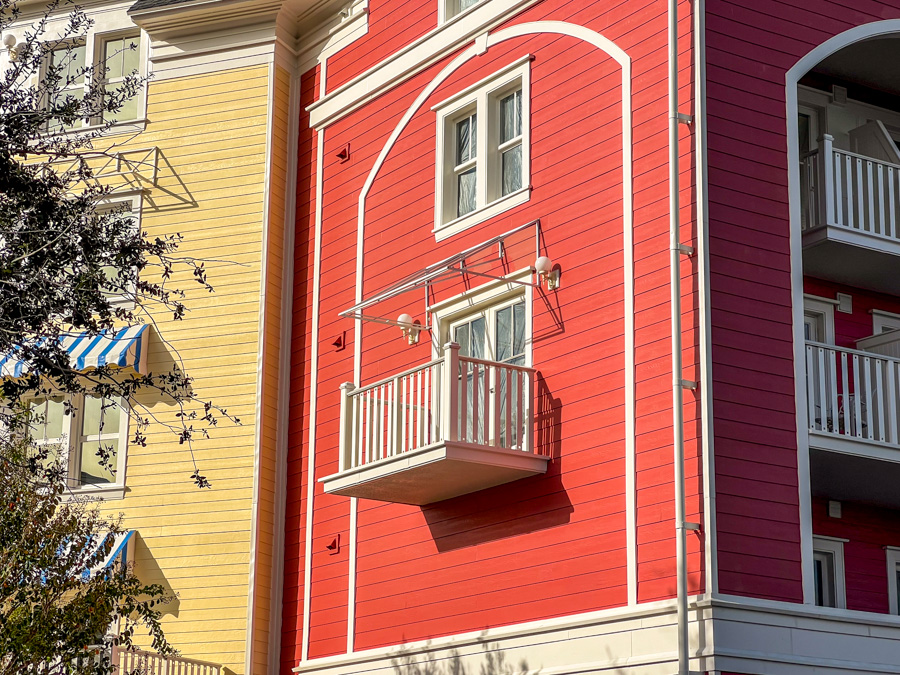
x: 844, y: 153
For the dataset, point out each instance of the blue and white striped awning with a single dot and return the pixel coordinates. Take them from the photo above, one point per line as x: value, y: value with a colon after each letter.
x: 119, y: 548
x: 124, y: 348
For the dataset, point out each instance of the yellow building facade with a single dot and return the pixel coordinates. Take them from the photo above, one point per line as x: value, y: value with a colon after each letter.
x: 206, y: 153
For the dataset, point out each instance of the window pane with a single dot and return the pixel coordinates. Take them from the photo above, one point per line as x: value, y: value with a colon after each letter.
x: 477, y: 328
x: 504, y: 333
x: 461, y: 337
x: 94, y: 408
x: 92, y: 472
x: 466, y: 139
x: 823, y: 565
x: 114, y: 56
x: 512, y: 170
x: 511, y: 117
x: 72, y: 61
x: 466, y: 189
x: 129, y: 108
x: 519, y: 329
x: 132, y: 57
x: 50, y: 426
x: 465, y: 4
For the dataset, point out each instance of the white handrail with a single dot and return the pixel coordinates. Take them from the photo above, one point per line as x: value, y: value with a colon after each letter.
x: 849, y: 190
x: 452, y: 399
x: 151, y: 663
x: 853, y: 394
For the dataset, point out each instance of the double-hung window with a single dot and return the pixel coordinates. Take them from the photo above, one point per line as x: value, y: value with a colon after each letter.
x: 111, y: 57
x: 87, y: 435
x: 483, y: 150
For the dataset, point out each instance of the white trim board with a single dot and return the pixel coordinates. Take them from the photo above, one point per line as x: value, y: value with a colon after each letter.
x: 792, y: 78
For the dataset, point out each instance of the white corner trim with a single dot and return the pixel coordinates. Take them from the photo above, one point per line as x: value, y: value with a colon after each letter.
x: 792, y: 79
x: 706, y: 362
x: 284, y: 384
x: 260, y: 369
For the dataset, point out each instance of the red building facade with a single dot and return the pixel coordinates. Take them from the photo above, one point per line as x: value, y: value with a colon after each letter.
x: 480, y: 462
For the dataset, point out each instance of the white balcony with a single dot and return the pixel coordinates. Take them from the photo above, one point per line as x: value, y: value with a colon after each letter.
x: 854, y: 401
x: 851, y: 218
x: 449, y: 427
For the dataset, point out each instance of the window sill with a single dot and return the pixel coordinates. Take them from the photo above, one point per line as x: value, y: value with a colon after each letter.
x: 495, y: 208
x: 126, y: 127
x: 104, y: 492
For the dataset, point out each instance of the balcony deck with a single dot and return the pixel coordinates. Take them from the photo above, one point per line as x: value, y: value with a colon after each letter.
x: 851, y: 218
x: 422, y: 436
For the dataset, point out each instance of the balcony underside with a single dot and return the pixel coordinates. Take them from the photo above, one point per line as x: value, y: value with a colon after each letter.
x: 435, y: 473
x: 851, y: 257
x: 854, y: 477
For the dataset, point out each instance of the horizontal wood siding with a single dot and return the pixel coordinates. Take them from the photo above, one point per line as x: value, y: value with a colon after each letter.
x: 546, y: 546
x: 750, y: 47
x: 211, y: 132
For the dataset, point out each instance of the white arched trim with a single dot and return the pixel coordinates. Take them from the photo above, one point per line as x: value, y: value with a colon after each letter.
x: 792, y: 79
x: 481, y: 44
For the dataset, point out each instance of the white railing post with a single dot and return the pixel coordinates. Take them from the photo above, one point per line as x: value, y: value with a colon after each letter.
x: 528, y: 404
x: 450, y: 393
x: 826, y: 179
x: 346, y: 431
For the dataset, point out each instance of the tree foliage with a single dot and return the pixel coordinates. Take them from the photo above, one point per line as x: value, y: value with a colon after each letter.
x: 55, y: 614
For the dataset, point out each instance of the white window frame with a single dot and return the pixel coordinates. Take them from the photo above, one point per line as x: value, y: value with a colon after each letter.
x: 482, y: 299
x: 821, y: 309
x: 482, y: 98
x: 835, y: 547
x: 884, y: 321
x: 94, y: 43
x: 448, y: 10
x: 893, y: 566
x: 70, y: 442
x: 136, y: 202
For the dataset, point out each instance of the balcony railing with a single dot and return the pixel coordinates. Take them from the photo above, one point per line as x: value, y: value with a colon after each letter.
x: 150, y: 663
x: 455, y: 409
x: 853, y: 395
x: 844, y: 189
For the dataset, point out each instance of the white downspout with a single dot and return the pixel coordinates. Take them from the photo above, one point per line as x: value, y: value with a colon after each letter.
x: 675, y: 253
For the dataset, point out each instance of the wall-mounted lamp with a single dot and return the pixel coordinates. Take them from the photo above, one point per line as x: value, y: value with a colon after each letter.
x: 547, y: 272
x: 410, y: 328
x: 9, y: 41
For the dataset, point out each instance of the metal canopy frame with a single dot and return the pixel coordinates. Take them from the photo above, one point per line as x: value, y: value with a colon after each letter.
x: 449, y: 268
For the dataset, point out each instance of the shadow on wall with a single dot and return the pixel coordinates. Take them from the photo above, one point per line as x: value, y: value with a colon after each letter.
x: 492, y: 663
x: 148, y: 571
x: 513, y: 509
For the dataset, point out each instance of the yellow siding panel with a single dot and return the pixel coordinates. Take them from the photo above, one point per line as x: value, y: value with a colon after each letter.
x: 212, y: 138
